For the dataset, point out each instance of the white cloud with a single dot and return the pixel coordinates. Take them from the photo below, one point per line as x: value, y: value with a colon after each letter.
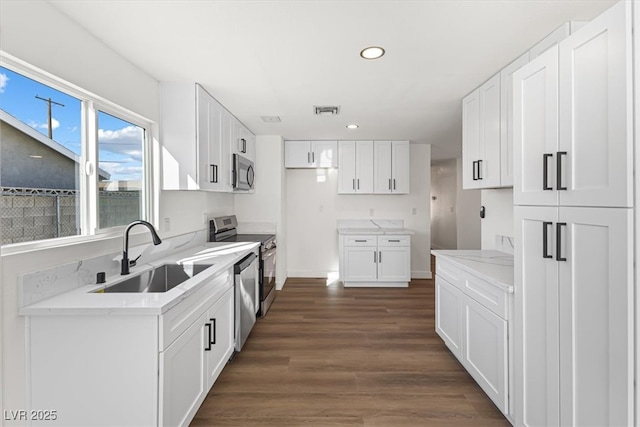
x: 126, y: 141
x: 4, y: 80
x: 54, y: 124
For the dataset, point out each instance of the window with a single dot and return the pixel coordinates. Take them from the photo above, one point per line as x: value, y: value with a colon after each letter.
x: 52, y: 136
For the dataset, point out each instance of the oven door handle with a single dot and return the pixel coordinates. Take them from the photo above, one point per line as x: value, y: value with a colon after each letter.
x: 268, y: 253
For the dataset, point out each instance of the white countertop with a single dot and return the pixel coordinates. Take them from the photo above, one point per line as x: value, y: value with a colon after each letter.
x: 84, y: 301
x: 493, y: 266
x: 367, y: 226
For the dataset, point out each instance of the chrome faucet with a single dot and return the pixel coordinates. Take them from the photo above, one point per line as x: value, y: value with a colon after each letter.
x: 124, y: 267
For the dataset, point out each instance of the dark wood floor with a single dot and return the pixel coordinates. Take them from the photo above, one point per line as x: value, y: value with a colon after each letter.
x: 330, y: 356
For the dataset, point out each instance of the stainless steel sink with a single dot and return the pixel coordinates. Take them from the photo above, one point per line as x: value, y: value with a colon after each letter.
x: 160, y: 279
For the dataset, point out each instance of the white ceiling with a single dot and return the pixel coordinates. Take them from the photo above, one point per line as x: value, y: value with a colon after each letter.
x: 263, y: 58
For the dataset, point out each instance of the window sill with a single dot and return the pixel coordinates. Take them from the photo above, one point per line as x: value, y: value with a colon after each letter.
x: 26, y: 247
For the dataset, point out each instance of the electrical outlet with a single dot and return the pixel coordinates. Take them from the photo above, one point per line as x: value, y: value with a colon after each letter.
x: 167, y: 224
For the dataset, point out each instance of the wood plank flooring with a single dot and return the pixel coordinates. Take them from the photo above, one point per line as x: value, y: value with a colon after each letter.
x: 330, y: 356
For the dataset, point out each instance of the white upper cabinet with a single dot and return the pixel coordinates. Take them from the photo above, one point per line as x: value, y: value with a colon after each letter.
x: 243, y: 142
x: 596, y: 113
x: 198, y: 137
x: 535, y: 130
x: 310, y: 154
x: 573, y: 138
x: 391, y: 170
x: 481, y: 136
x: 470, y: 139
x: 355, y: 170
x: 506, y: 119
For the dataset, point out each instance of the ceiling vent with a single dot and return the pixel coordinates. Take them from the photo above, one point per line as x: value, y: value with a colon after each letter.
x: 326, y: 110
x: 271, y: 119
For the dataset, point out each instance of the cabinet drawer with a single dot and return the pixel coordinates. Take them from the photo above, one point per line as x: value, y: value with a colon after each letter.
x: 361, y: 241
x: 175, y: 321
x: 485, y: 293
x: 450, y: 273
x: 394, y: 240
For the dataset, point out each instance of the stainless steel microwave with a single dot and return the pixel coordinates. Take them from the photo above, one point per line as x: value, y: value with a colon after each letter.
x: 243, y: 173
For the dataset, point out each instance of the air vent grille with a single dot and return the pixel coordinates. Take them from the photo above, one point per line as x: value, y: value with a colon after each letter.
x: 326, y: 110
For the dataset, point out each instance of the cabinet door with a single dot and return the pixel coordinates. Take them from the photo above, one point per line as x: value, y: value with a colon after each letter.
x: 297, y: 154
x: 347, y: 167
x: 596, y: 317
x: 489, y: 166
x: 243, y: 142
x: 324, y: 154
x: 360, y: 264
x: 226, y: 141
x: 400, y: 167
x: 470, y: 139
x: 364, y: 167
x: 394, y: 264
x: 382, y: 179
x: 506, y: 119
x: 182, y: 376
x: 485, y: 351
x: 596, y: 112
x: 449, y: 315
x: 221, y: 319
x: 535, y: 130
x: 203, y: 136
x: 536, y: 324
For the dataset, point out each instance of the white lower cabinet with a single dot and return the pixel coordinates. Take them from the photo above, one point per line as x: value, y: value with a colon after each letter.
x: 375, y: 260
x: 131, y: 370
x: 449, y: 319
x: 484, y: 353
x: 472, y: 318
x: 192, y: 363
x: 574, y: 316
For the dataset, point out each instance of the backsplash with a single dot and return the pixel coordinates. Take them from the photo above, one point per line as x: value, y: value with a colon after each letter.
x: 504, y: 244
x: 40, y: 285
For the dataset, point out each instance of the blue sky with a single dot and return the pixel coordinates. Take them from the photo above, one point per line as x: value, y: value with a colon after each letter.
x: 120, y: 148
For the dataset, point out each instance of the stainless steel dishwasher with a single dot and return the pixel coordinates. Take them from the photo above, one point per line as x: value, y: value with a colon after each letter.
x: 246, y: 286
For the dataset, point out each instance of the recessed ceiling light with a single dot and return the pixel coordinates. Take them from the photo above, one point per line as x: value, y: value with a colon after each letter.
x: 372, y: 52
x: 353, y: 126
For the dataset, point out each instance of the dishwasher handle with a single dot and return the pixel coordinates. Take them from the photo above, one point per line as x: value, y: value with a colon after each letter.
x: 244, y: 263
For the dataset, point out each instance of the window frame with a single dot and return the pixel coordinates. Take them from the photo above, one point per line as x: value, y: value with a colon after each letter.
x: 91, y: 105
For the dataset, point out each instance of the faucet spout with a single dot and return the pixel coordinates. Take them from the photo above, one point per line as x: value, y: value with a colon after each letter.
x: 124, y: 266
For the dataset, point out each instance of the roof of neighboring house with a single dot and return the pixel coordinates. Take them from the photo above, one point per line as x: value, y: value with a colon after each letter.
x: 43, y: 139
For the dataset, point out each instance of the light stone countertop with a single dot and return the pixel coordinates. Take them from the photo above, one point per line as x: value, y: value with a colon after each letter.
x: 84, y: 301
x: 493, y: 266
x: 378, y: 226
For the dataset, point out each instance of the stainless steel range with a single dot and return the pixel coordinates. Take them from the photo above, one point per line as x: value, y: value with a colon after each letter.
x: 224, y: 229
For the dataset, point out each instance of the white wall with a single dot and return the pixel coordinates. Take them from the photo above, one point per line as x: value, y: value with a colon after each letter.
x: 267, y: 204
x: 498, y: 218
x: 313, y: 208
x: 444, y: 204
x: 467, y: 215
x: 37, y: 33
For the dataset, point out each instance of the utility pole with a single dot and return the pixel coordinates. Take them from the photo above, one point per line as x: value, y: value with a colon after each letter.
x: 49, y: 102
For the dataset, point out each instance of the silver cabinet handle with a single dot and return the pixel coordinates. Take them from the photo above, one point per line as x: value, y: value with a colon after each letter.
x: 389, y: 183
x: 379, y: 256
x: 358, y: 183
x: 394, y: 183
x: 361, y: 241
x: 354, y: 183
x: 374, y: 257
